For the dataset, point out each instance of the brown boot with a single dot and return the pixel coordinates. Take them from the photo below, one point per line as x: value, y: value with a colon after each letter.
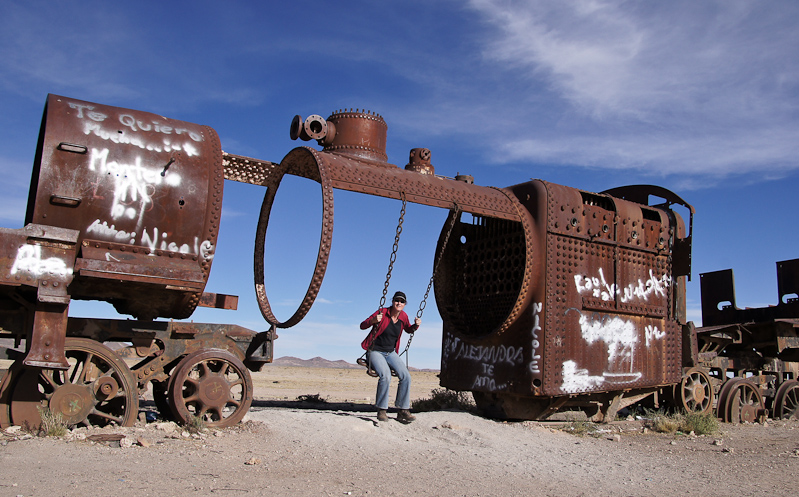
x: 405, y: 416
x: 382, y: 415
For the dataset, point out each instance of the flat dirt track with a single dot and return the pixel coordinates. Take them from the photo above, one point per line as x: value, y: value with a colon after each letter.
x: 288, y: 447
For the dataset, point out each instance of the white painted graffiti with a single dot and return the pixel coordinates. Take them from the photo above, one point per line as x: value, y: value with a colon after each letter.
x: 535, y: 366
x: 643, y: 290
x: 490, y: 355
x: 618, y: 334
x: 102, y: 229
x: 153, y: 242
x: 136, y: 125
x: 166, y: 145
x: 653, y: 333
x: 578, y: 380
x: 172, y: 138
x: 598, y: 287
x: 486, y: 381
x: 204, y: 249
x: 621, y: 337
x: 449, y: 346
x: 29, y: 260
x: 134, y: 184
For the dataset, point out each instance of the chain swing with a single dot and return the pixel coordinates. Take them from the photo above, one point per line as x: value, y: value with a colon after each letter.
x: 423, y: 303
x: 363, y: 361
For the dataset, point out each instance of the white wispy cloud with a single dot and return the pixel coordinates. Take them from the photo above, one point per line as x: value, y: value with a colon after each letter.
x: 708, y: 88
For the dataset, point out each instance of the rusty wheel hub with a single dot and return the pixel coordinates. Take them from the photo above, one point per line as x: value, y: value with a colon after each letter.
x: 213, y: 390
x: 73, y: 402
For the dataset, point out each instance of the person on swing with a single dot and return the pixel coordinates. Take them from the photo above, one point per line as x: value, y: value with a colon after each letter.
x: 382, y: 347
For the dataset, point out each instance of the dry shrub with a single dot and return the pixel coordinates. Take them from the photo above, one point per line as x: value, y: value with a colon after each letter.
x: 691, y: 422
x: 195, y: 424
x: 442, y: 399
x: 53, y: 424
x: 581, y: 428
x: 700, y: 424
x: 312, y: 398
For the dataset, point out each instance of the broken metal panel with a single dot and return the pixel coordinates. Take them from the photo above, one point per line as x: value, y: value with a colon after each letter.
x: 788, y: 282
x: 219, y: 301
x: 718, y: 297
x: 36, y: 262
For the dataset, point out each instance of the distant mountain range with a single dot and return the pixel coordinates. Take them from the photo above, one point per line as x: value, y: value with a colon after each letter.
x: 320, y: 362
x: 316, y: 362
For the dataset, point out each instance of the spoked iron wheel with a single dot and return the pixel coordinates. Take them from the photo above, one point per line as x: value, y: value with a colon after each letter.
x: 695, y: 392
x: 213, y: 385
x: 161, y: 400
x: 740, y: 401
x: 786, y: 402
x: 98, y: 389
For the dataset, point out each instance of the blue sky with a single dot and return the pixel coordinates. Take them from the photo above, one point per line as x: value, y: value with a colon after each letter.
x: 699, y: 97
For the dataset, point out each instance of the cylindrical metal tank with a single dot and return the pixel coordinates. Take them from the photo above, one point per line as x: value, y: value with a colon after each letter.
x: 145, y: 193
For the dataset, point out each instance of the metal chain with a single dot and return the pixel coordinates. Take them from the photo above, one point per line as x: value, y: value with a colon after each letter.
x: 391, y: 261
x: 440, y: 254
x: 393, y: 257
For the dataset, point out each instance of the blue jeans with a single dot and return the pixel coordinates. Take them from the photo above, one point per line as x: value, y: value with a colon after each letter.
x: 383, y: 363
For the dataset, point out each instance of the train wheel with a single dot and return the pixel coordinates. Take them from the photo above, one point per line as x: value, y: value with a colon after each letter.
x: 511, y: 407
x: 489, y: 405
x: 161, y: 399
x: 98, y: 389
x: 695, y: 392
x: 9, y: 379
x: 740, y: 401
x: 213, y: 385
x: 786, y: 403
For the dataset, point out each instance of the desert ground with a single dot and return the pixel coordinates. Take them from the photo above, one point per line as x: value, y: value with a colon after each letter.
x: 287, y: 447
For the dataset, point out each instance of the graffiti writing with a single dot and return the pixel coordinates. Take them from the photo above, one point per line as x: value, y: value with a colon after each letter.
x: 134, y: 184
x: 621, y: 337
x: 494, y: 354
x: 643, y: 289
x: 653, y: 333
x: 205, y: 249
x: 29, y: 260
x: 578, y: 380
x: 535, y: 366
x: 486, y: 380
x: 102, y: 229
x: 618, y: 334
x: 598, y: 287
x: 172, y: 138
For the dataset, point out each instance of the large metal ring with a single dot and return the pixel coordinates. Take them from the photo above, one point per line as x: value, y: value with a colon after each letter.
x: 308, y: 163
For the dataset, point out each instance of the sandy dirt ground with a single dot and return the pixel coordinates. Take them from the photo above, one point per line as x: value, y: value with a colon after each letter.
x: 287, y: 447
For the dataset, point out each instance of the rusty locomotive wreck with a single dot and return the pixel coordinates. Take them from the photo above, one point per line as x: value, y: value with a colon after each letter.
x: 552, y: 298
